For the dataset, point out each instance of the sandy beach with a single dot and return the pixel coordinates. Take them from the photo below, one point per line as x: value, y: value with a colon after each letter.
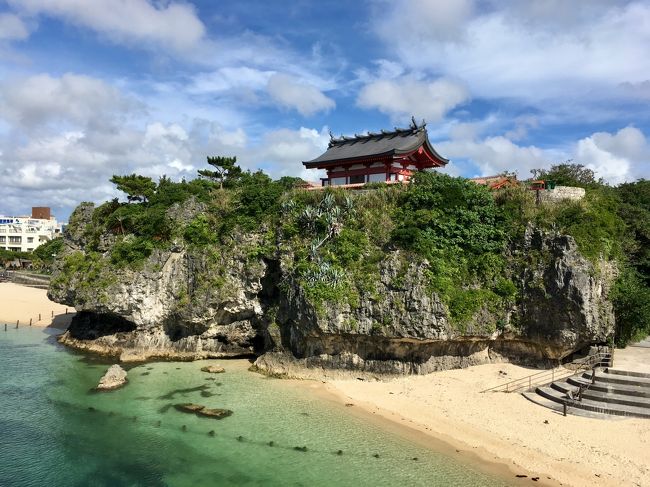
x: 507, y: 428
x: 24, y: 303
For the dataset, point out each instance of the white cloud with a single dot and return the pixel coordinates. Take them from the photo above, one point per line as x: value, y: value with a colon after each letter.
x: 291, y: 92
x: 171, y: 25
x: 521, y: 127
x: 12, y: 27
x: 74, y: 98
x: 282, y: 151
x: 517, y: 50
x: 424, y: 19
x: 403, y: 97
x: 618, y: 157
x: 228, y: 78
x: 495, y: 155
x: 66, y: 167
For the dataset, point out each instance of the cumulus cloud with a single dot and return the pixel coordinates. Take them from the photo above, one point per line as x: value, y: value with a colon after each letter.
x: 405, y: 96
x: 495, y: 155
x: 12, y: 27
x: 65, y: 167
x: 514, y: 50
x: 291, y: 92
x: 282, y: 151
x: 615, y: 157
x: 171, y: 25
x: 424, y: 19
x: 40, y: 99
x: 618, y: 157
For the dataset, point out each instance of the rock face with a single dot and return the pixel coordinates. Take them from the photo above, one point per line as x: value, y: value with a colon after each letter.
x: 181, y: 304
x: 564, y: 306
x: 193, y: 304
x: 114, y: 378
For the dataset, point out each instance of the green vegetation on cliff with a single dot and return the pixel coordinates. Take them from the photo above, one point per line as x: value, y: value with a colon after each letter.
x: 333, y: 242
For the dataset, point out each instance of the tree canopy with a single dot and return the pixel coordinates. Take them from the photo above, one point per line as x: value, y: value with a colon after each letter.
x: 225, y: 170
x: 568, y: 174
x: 136, y: 187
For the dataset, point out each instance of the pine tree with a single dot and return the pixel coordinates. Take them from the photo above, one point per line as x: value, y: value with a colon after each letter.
x: 225, y: 169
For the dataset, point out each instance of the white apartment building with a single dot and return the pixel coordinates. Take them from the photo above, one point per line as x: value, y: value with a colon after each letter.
x: 24, y: 233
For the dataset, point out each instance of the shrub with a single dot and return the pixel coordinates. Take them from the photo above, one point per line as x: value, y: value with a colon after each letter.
x: 130, y: 250
x: 631, y: 300
x: 457, y: 226
x: 199, y: 232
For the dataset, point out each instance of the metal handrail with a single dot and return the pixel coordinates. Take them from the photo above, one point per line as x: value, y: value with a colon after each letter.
x: 547, y: 376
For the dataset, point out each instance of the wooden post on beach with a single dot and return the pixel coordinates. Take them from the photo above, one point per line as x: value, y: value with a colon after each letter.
x: 564, y: 407
x: 39, y: 317
x: 5, y: 326
x: 66, y: 311
x: 17, y: 321
x: 52, y: 313
x: 30, y: 322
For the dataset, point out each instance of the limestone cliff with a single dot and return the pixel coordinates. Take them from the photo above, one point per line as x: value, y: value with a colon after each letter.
x: 180, y: 303
x: 232, y: 300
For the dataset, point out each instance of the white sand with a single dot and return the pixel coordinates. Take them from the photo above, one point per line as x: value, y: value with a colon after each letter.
x: 24, y: 303
x: 507, y: 428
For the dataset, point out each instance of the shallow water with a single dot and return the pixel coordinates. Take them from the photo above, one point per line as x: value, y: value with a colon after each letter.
x: 55, y: 431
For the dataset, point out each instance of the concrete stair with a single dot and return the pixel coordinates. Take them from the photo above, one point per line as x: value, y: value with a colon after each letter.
x: 615, y: 392
x: 28, y: 279
x: 645, y: 343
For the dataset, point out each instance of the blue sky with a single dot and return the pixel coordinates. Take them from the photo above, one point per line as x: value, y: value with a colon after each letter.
x: 91, y: 88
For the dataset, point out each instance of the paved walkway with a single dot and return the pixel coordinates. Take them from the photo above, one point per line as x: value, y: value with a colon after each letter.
x: 635, y: 357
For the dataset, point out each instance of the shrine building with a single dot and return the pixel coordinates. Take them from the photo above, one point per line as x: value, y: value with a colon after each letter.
x: 390, y: 157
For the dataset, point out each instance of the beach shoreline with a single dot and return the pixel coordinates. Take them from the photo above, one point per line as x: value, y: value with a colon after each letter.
x: 21, y: 304
x: 503, y: 433
x: 477, y: 458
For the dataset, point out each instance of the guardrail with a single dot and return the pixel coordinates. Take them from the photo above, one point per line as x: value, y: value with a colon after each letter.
x: 545, y: 377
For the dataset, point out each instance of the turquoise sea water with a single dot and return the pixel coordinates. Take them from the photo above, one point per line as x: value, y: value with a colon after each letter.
x: 55, y: 431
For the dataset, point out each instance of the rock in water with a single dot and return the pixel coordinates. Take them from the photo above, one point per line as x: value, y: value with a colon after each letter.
x: 114, y: 378
x: 200, y: 410
x: 189, y: 407
x: 213, y: 369
x: 214, y: 413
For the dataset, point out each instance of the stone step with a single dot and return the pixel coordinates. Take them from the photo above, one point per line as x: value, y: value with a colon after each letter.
x: 627, y: 373
x: 602, y: 376
x: 609, y: 398
x: 557, y: 407
x: 564, y: 386
x: 591, y: 405
x: 600, y: 396
x: 611, y: 388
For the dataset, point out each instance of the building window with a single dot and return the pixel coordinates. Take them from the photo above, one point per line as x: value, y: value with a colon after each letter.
x: 361, y: 178
x: 30, y: 239
x: 3, y: 239
x: 377, y: 178
x: 15, y: 240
